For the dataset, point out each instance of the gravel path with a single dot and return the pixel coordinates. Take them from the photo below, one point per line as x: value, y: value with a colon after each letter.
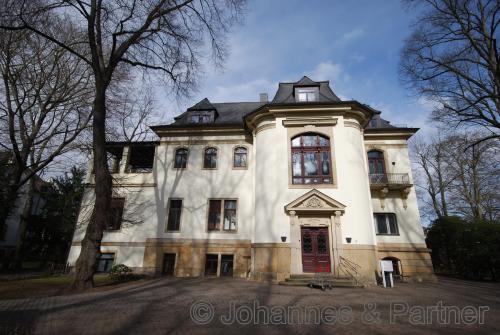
x: 213, y: 306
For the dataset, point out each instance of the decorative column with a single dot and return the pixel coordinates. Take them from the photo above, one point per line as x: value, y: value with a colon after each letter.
x: 295, y: 252
x: 336, y: 238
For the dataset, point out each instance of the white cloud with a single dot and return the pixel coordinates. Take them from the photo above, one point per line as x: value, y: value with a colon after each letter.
x: 353, y: 34
x: 326, y: 71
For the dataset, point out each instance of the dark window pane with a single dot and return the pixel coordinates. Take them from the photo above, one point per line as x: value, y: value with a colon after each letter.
x: 381, y: 224
x: 180, y: 158
x: 141, y: 158
x: 375, y: 154
x: 214, y: 213
x: 211, y: 263
x: 322, y: 244
x: 307, y: 243
x: 105, y: 262
x: 115, y: 214
x: 174, y: 215
x: 393, y: 228
x: 210, y: 158
x: 226, y: 265
x: 240, y: 157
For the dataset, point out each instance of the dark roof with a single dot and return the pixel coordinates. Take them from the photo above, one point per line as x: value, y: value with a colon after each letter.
x: 376, y: 121
x: 228, y: 113
x: 204, y: 104
x: 285, y: 93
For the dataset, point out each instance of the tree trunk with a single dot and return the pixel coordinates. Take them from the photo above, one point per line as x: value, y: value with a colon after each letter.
x: 23, y: 221
x: 90, y: 245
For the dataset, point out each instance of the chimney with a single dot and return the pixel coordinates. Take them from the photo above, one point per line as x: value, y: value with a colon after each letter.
x: 263, y: 97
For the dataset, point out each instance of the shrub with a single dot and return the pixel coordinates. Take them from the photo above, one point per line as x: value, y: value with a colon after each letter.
x: 466, y: 249
x: 120, y: 272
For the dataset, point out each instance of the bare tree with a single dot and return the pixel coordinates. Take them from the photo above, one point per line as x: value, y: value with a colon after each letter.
x: 43, y: 107
x: 131, y: 109
x: 476, y: 177
x: 164, y: 36
x: 452, y: 59
x: 434, y: 180
x: 456, y: 181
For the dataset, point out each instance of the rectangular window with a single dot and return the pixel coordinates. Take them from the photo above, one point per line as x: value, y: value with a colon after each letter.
x: 201, y: 117
x: 226, y: 265
x: 105, y: 262
x: 214, y: 213
x: 306, y: 94
x: 386, y: 224
x: 174, y: 215
x: 211, y: 264
x: 115, y: 214
x: 225, y: 209
x: 230, y: 215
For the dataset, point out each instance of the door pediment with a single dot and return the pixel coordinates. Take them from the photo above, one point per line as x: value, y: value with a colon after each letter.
x: 315, y: 201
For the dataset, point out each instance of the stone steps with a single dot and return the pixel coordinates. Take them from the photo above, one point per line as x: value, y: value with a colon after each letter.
x: 307, y: 279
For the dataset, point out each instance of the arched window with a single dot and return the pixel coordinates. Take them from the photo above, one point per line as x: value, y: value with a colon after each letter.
x: 210, y: 158
x: 240, y: 157
x: 180, y: 158
x: 311, y: 159
x: 376, y: 162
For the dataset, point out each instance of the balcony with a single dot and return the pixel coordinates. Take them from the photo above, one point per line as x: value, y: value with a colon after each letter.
x: 389, y: 180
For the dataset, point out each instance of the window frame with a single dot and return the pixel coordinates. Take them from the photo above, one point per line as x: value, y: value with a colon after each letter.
x: 316, y: 149
x: 222, y: 213
x: 307, y: 90
x: 167, y: 230
x: 200, y: 114
x: 121, y: 217
x: 216, y: 158
x: 239, y: 146
x: 381, y: 160
x: 99, y: 259
x: 175, y: 158
x: 387, y: 224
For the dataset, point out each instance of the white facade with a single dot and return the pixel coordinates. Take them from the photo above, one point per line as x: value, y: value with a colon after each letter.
x: 271, y: 209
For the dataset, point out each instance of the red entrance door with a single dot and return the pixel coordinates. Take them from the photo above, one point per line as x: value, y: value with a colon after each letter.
x: 315, y: 250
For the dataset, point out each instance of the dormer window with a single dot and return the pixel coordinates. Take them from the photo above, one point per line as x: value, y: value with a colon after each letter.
x: 306, y: 94
x: 201, y: 116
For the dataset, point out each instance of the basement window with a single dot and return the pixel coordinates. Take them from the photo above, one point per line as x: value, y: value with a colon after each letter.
x: 226, y: 265
x: 105, y: 262
x: 211, y: 264
x: 141, y: 159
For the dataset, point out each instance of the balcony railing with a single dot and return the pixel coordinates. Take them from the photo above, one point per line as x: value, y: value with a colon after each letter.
x: 389, y: 179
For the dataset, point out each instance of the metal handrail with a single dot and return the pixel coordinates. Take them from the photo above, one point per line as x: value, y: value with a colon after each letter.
x: 350, y: 268
x: 389, y: 178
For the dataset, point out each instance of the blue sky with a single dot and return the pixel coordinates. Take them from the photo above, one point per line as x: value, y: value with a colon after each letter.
x: 354, y: 44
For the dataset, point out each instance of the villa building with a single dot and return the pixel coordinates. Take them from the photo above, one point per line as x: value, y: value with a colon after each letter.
x: 304, y: 183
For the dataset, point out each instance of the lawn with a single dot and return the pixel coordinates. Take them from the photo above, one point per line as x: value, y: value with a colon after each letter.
x: 48, y: 286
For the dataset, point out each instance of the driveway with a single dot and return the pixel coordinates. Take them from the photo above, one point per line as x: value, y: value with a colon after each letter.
x: 213, y: 306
